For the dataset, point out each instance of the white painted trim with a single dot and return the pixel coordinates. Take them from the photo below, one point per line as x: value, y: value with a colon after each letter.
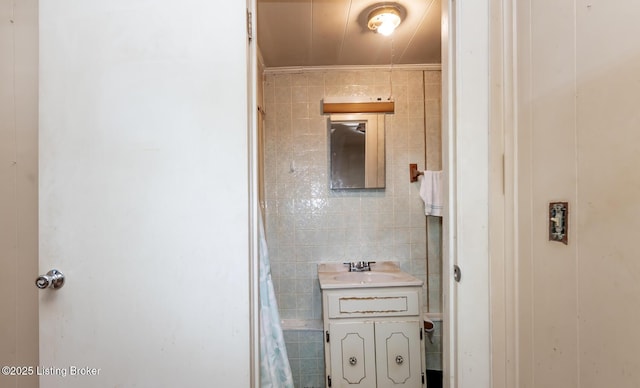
x: 449, y: 349
x: 254, y: 205
x: 503, y: 181
x: 466, y: 342
x: 307, y: 69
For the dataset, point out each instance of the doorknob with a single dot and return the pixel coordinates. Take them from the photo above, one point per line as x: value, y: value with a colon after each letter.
x: 53, y: 279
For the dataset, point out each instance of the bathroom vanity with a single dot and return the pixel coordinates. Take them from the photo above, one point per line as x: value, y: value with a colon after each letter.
x: 373, y: 326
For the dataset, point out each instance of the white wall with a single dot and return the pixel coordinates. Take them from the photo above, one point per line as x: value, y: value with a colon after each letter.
x: 579, y: 141
x: 18, y: 187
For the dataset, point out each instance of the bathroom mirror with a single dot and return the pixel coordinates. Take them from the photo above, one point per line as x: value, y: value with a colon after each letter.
x: 356, y: 148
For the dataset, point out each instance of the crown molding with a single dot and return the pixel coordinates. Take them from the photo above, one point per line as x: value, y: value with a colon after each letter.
x: 309, y: 69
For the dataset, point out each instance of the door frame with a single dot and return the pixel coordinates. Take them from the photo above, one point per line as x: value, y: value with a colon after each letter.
x: 503, y: 181
x: 480, y: 223
x: 254, y: 197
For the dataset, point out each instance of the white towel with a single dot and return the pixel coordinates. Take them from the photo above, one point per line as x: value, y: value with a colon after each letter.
x: 431, y: 192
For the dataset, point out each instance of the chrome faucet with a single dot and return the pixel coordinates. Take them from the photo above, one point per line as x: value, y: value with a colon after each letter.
x: 360, y: 266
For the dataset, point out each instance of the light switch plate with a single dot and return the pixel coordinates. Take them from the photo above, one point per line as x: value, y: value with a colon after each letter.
x: 559, y: 222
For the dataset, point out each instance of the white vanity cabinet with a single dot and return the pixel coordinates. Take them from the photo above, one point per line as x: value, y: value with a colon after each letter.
x: 373, y: 337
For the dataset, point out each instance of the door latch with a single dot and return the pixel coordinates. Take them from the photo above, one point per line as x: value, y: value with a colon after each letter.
x: 457, y: 273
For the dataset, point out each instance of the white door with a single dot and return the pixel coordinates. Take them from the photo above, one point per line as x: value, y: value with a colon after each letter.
x: 144, y: 196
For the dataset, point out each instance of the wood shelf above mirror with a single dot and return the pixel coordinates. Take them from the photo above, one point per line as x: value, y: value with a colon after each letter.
x: 358, y: 107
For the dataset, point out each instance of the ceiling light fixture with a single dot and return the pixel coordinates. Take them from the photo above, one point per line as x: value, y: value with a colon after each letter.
x: 384, y: 19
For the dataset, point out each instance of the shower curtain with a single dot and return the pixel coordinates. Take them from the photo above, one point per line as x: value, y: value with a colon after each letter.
x: 275, y: 371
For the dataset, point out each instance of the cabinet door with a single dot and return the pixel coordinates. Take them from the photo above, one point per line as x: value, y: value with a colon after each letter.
x: 352, y: 355
x: 398, y: 354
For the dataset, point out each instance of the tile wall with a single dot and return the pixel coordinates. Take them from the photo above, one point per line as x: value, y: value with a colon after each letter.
x: 433, y: 145
x: 433, y: 347
x: 305, y: 349
x: 306, y: 222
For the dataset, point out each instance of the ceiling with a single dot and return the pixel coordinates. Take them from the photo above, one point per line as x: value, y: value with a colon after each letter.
x: 335, y: 32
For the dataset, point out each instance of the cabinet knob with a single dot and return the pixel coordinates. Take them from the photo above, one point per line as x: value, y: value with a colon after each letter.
x: 399, y: 360
x: 353, y: 360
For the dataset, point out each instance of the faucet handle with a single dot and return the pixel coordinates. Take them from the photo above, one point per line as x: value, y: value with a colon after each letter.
x: 366, y: 265
x: 359, y: 265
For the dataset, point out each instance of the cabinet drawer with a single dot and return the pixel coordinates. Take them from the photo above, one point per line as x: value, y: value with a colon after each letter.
x: 387, y: 303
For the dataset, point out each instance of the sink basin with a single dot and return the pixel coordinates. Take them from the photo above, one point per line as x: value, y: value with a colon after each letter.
x: 365, y: 277
x: 383, y: 274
